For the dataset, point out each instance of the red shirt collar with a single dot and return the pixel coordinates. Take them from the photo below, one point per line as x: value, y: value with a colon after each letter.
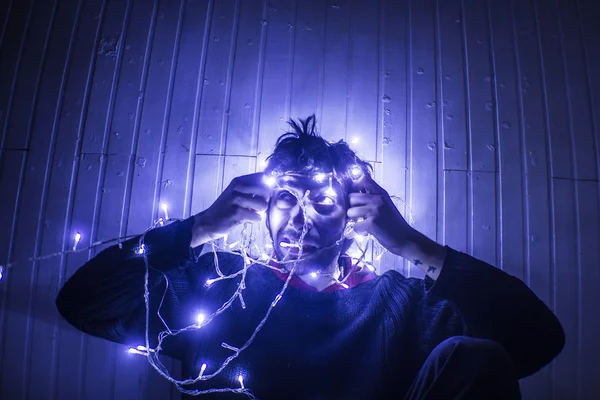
x: 354, y: 276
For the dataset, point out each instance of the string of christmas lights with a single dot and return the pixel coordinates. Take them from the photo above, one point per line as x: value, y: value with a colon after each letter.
x: 357, y: 252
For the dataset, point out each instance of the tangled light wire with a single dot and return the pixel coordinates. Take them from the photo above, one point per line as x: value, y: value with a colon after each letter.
x: 240, y: 248
x: 265, y: 259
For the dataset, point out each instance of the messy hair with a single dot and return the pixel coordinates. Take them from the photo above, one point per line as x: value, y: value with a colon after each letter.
x: 303, y: 150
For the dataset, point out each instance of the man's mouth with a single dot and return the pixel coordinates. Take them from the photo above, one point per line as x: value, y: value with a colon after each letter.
x: 292, y: 247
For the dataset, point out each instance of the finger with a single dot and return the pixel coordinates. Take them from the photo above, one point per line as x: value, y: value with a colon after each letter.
x: 363, y: 227
x: 362, y: 199
x: 252, y: 184
x: 358, y: 212
x: 245, y: 215
x: 253, y: 202
x: 366, y: 183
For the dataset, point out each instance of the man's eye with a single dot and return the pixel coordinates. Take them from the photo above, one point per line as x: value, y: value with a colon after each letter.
x: 285, y: 199
x: 325, y: 200
x: 287, y: 196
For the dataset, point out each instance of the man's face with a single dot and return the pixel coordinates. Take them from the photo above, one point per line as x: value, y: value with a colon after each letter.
x: 324, y: 214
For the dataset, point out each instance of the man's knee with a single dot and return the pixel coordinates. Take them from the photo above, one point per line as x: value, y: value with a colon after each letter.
x: 482, y: 356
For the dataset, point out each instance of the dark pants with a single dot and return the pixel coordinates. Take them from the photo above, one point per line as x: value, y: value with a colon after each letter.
x: 466, y: 368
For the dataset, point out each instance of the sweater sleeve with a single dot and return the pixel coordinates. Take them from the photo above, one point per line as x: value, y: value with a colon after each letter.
x: 105, y: 297
x: 495, y: 305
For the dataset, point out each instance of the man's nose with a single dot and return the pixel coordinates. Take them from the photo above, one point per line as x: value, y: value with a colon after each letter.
x: 297, y: 219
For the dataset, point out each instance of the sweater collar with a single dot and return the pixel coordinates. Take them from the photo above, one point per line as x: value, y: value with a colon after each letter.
x: 352, y: 276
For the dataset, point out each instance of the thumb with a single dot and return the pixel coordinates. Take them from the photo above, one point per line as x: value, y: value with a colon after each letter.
x: 367, y: 184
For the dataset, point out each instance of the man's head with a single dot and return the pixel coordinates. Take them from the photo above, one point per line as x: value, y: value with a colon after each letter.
x: 314, y: 178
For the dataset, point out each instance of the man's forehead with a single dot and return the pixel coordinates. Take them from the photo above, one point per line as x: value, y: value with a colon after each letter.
x: 302, y: 182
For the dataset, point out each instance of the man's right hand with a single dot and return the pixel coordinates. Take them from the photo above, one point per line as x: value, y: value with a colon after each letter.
x: 244, y: 198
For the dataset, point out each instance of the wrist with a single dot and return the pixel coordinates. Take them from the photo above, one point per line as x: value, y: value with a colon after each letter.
x: 200, y: 234
x: 425, y: 253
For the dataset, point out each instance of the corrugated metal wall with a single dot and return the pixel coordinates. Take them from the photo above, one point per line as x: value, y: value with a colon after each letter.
x: 482, y: 115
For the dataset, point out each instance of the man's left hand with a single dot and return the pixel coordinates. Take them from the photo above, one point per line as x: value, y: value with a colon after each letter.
x: 375, y: 214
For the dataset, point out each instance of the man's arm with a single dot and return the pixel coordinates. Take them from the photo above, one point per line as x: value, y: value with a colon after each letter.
x: 492, y: 305
x: 105, y: 297
x: 425, y: 253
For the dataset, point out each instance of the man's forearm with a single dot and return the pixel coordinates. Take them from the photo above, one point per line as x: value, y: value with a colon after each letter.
x: 425, y: 253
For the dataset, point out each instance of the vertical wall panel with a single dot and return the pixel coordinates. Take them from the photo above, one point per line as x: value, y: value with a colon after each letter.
x: 70, y: 344
x: 132, y: 49
x: 479, y: 86
x: 32, y: 132
x: 181, y: 128
x: 451, y: 85
x: 481, y: 118
x: 106, y: 64
x: 30, y: 64
x: 11, y: 164
x: 589, y: 275
x: 393, y: 96
x: 423, y: 126
x: 567, y: 288
x: 590, y: 32
x: 363, y: 80
x: 142, y: 201
x: 11, y: 54
x: 307, y: 70
x: 334, y: 112
x: 217, y: 75
x: 578, y: 92
x: 511, y: 195
x: 274, y: 107
x: 42, y: 351
x: 4, y: 14
x: 246, y: 88
x: 80, y: 355
x: 538, y: 275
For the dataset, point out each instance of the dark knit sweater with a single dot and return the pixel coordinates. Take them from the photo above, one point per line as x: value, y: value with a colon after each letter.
x: 366, y: 342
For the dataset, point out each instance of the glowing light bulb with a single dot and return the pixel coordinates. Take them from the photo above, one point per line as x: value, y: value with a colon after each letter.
x: 209, y: 282
x: 264, y: 256
x: 141, y: 348
x: 270, y: 180
x: 1, y: 271
x: 232, y: 245
x: 77, y: 239
x: 136, y: 351
x: 371, y: 268
x: 355, y: 140
x: 313, y: 274
x: 268, y: 246
x: 200, y: 318
x: 241, y: 380
x: 356, y: 172
x: 360, y: 238
x: 202, y: 369
x: 141, y: 249
x: 320, y: 177
x: 161, y: 221
x: 330, y: 192
x: 165, y: 209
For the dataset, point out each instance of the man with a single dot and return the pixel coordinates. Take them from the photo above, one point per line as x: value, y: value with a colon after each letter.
x: 467, y: 331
